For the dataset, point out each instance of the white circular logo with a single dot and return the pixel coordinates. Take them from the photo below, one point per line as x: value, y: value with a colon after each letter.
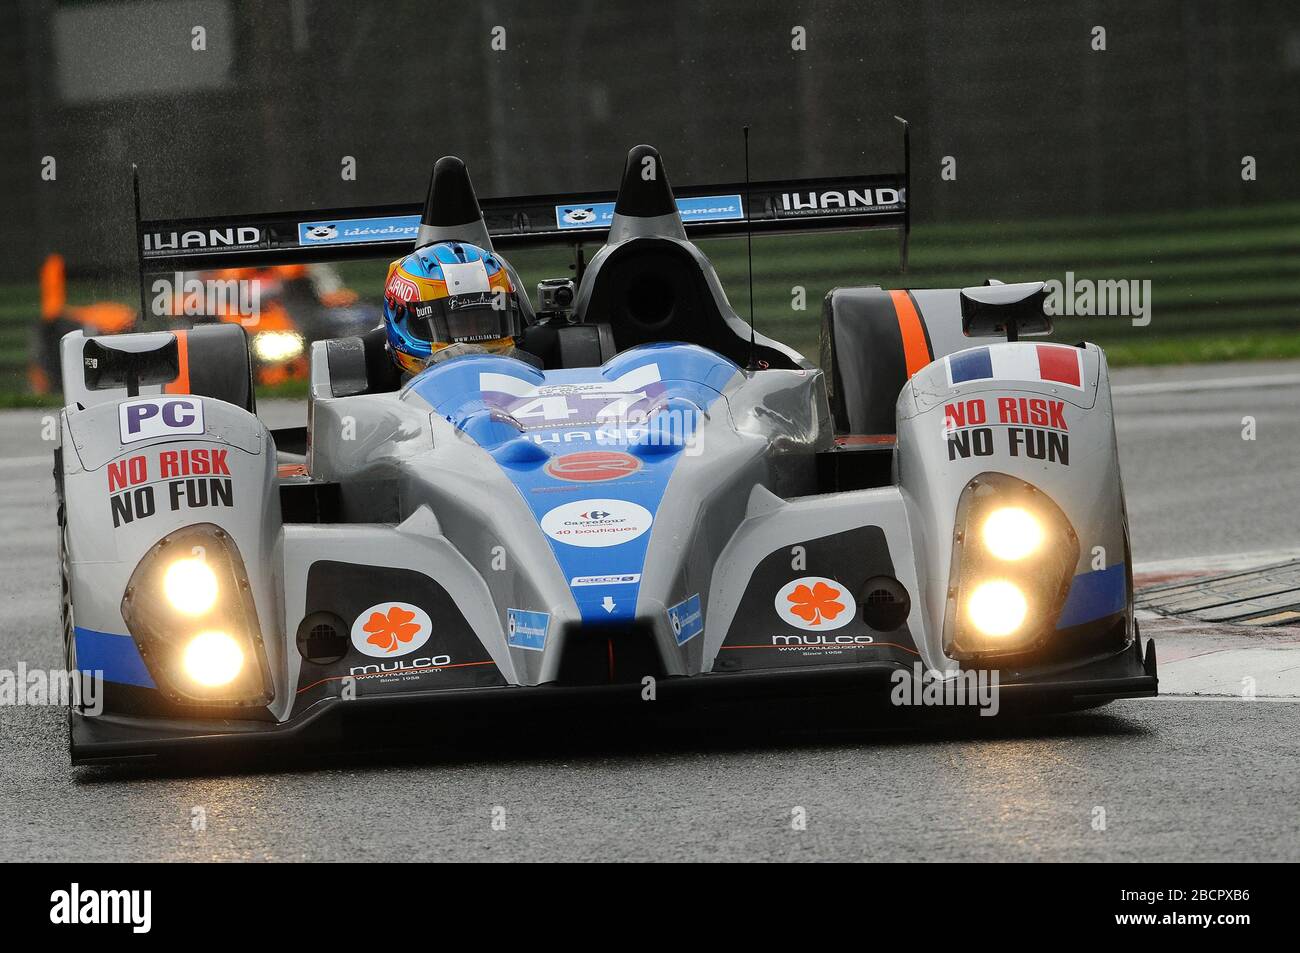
x: 596, y: 522
x: 391, y: 629
x: 815, y: 603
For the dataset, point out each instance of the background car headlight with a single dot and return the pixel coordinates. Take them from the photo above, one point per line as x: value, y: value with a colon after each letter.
x: 1012, y: 532
x: 189, y: 608
x: 272, y: 347
x: 1014, y: 555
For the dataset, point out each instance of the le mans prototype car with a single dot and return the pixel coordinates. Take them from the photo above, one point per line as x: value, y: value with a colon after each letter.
x: 671, y: 496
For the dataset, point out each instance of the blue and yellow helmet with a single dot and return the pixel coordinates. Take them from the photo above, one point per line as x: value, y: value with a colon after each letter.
x: 449, y: 293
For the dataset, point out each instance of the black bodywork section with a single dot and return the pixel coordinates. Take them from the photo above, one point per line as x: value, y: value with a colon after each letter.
x: 863, y: 357
x: 760, y: 639
x: 343, y: 592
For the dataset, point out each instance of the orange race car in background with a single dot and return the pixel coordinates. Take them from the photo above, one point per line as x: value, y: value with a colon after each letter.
x: 296, y: 304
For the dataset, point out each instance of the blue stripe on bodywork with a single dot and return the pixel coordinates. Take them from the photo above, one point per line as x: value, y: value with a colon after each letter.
x: 973, y: 365
x: 1095, y: 595
x: 114, y: 655
x: 689, y: 378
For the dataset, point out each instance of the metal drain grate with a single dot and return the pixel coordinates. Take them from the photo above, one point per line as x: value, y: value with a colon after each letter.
x: 1269, y: 595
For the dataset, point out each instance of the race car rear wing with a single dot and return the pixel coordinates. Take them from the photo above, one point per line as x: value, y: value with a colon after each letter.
x: 387, y: 231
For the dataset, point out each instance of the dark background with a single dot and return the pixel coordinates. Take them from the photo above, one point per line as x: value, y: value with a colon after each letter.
x: 1039, y: 123
x: 1124, y: 163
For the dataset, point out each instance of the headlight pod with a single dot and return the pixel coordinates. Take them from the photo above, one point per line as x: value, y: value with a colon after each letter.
x: 189, y: 608
x: 1013, y: 558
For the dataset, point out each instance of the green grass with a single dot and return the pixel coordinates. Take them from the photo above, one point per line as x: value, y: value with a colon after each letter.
x: 1198, y: 349
x: 13, y: 399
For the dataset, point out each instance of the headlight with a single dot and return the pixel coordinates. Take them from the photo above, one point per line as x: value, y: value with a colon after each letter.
x: 212, y: 659
x: 997, y: 607
x: 1012, y: 532
x: 1013, y: 559
x: 190, y: 586
x: 273, y: 347
x: 190, y: 609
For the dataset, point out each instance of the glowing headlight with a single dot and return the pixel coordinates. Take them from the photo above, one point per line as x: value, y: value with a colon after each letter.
x: 273, y: 347
x: 190, y: 586
x: 1014, y: 553
x: 997, y: 607
x: 1012, y: 533
x: 212, y: 659
x: 189, y: 608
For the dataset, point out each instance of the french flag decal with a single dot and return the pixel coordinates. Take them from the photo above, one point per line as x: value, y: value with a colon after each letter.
x: 1048, y: 363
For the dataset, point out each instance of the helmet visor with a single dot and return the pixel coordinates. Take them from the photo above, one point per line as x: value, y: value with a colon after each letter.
x: 463, y: 319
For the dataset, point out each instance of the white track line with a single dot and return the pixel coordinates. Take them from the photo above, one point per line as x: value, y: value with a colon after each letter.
x: 1221, y: 383
x: 19, y: 462
x: 1224, y: 562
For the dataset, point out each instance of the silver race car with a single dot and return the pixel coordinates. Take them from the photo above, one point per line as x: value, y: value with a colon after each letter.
x: 670, y: 504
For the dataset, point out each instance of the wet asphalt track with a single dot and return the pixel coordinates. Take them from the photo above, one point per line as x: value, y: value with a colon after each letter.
x: 1178, y: 778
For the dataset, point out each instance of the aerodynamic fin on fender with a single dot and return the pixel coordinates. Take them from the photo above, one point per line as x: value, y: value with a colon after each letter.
x: 451, y: 211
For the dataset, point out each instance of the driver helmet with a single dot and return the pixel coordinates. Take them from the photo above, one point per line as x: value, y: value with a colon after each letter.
x: 449, y: 294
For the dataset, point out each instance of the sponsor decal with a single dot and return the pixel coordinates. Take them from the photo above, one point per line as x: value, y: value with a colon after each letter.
x: 391, y: 629
x: 527, y: 630
x: 1031, y: 427
x: 821, y: 622
x: 413, y: 666
x: 687, y: 619
x: 148, y: 417
x: 628, y: 397
x: 388, y: 228
x: 236, y: 237
x: 815, y: 603
x: 618, y: 579
x: 402, y: 287
x: 593, y: 466
x: 193, y: 478
x: 596, y: 523
x: 1048, y: 363
x: 814, y: 641
x: 835, y: 202
x: 705, y: 208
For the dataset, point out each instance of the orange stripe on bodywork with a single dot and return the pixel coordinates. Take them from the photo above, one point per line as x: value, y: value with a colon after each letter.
x: 916, y: 352
x: 182, y: 383
x: 866, y: 440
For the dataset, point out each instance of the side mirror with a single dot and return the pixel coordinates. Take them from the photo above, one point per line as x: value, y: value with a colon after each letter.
x: 129, y: 360
x: 1013, y: 310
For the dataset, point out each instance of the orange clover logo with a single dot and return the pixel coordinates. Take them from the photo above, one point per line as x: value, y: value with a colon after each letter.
x: 388, y: 632
x: 814, y: 605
